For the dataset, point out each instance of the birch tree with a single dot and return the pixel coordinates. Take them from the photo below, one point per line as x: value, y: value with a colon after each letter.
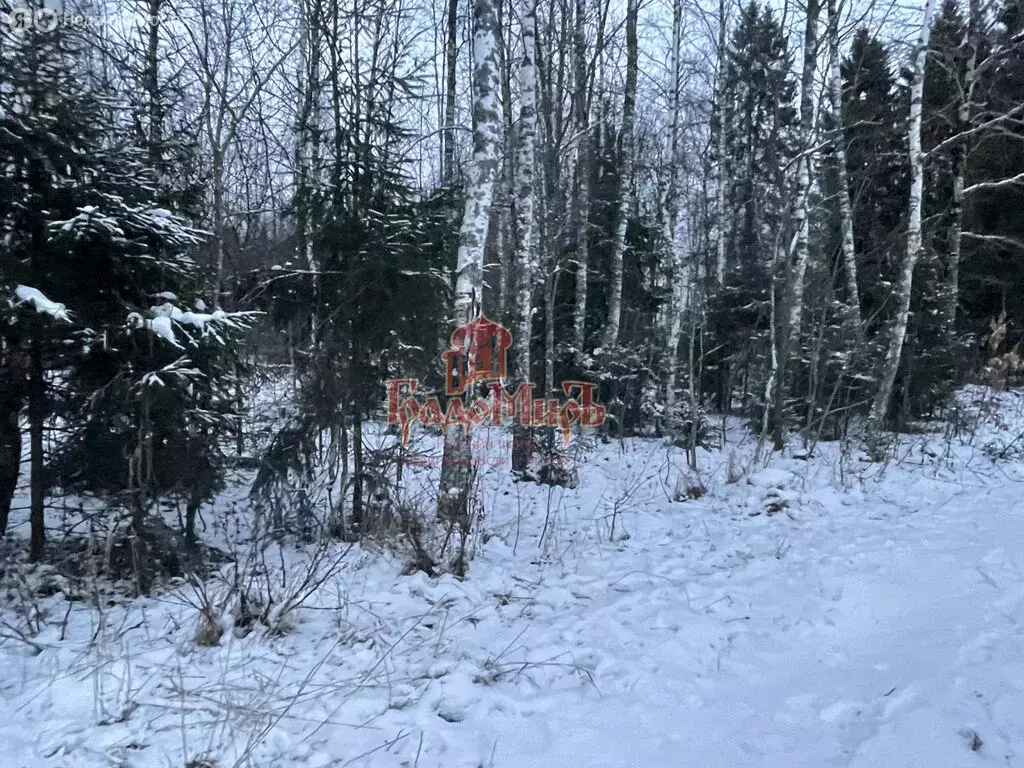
x: 456, y: 470
x: 951, y: 288
x: 12, y: 400
x: 721, y: 182
x: 307, y: 126
x: 789, y: 336
x: 501, y: 254
x: 677, y: 277
x: 525, y: 260
x: 450, y: 70
x: 581, y: 188
x: 891, y: 365
x: 556, y: 212
x: 838, y: 148
x: 611, y: 331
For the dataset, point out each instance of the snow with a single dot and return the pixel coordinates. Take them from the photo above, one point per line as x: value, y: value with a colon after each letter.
x: 90, y: 218
x: 201, y: 320
x: 872, y: 621
x: 26, y: 295
x: 162, y: 327
x: 196, y: 320
x: 166, y: 315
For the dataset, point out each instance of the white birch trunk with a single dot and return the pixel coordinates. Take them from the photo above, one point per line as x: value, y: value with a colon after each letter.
x: 880, y: 405
x: 773, y: 371
x: 456, y: 469
x: 307, y: 143
x: 789, y: 334
x: 678, y: 278
x: 721, y: 213
x: 505, y: 187
x: 581, y: 118
x: 839, y: 152
x: 525, y: 261
x: 611, y: 330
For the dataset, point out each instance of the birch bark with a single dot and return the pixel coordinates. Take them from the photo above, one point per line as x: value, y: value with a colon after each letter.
x: 789, y: 334
x: 720, y: 181
x: 880, y: 405
x: 614, y: 321
x: 456, y: 470
x: 678, y: 278
x: 581, y: 187
x: 839, y: 153
x: 525, y: 261
x: 307, y: 142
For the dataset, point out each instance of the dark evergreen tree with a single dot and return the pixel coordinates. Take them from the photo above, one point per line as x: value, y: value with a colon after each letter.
x: 373, y: 308
x: 930, y: 355
x: 83, y: 228
x: 993, y: 245
x: 758, y: 117
x: 877, y: 175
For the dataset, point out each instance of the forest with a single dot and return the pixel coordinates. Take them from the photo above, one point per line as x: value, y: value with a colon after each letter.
x: 233, y: 232
x: 783, y: 214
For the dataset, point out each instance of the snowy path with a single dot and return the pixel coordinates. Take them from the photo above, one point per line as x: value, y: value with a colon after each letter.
x: 871, y: 625
x: 891, y: 647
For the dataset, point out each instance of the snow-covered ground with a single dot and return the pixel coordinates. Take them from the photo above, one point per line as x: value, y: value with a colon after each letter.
x: 817, y: 613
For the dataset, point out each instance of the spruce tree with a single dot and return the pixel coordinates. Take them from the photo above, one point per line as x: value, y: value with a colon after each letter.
x: 757, y: 115
x: 993, y: 269
x: 142, y: 380
x: 930, y: 359
x: 873, y: 116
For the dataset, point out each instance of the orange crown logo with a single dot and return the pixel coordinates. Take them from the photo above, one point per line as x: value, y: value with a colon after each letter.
x: 479, y: 353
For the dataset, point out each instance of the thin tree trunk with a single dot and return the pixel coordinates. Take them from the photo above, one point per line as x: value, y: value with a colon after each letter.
x: 505, y: 189
x: 456, y: 469
x: 343, y: 455
x: 952, y: 286
x: 36, y: 419
x: 526, y: 253
x: 839, y: 155
x: 356, y: 521
x: 12, y: 398
x: 678, y: 280
x: 217, y: 213
x: 891, y: 366
x: 550, y: 223
x: 195, y: 503
x: 140, y: 474
x: 156, y: 117
x: 550, y: 285
x: 450, y: 66
x: 307, y: 149
x: 307, y: 128
x: 721, y: 212
x: 581, y: 186
x: 693, y: 379
x: 611, y: 331
x: 789, y: 335
x: 772, y: 384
